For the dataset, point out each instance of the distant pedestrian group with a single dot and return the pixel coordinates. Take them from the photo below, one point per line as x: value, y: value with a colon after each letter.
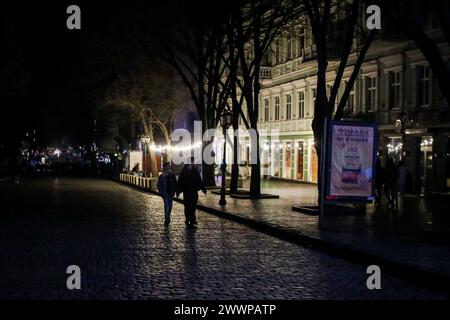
x: 189, y: 183
x: 391, y: 181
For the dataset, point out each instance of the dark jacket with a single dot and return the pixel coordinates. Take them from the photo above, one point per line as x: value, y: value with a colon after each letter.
x: 190, y: 181
x: 390, y: 174
x: 167, y: 185
x: 379, y: 174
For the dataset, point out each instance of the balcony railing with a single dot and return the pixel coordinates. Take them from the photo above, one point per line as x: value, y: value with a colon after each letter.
x: 295, y: 125
x: 295, y: 64
x: 265, y: 73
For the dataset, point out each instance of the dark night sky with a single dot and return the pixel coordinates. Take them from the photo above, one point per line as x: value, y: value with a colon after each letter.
x: 52, y: 57
x: 57, y: 60
x: 60, y: 62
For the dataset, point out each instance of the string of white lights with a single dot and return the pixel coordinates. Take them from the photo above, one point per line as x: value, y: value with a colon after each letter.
x: 160, y: 148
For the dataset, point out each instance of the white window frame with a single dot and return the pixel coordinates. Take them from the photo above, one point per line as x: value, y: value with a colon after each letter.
x: 266, y: 109
x: 351, y: 98
x: 426, y: 78
x: 370, y: 92
x: 277, y: 108
x: 301, y: 104
x: 289, y: 47
x: 396, y: 87
x: 277, y: 52
x: 301, y: 35
x: 289, y: 107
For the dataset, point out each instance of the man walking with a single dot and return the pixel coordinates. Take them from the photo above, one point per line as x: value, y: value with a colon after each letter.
x: 189, y: 183
x: 167, y: 186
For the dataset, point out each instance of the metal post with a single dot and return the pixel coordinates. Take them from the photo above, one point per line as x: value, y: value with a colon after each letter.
x: 323, y: 153
x: 223, y: 201
x: 143, y: 160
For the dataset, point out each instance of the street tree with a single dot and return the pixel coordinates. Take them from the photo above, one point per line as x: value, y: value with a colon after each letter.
x: 145, y: 93
x: 195, y: 50
x: 414, y: 19
x: 339, y: 33
x: 253, y: 26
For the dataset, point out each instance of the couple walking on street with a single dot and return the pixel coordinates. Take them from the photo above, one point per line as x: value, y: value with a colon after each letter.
x: 392, y: 180
x: 189, y: 183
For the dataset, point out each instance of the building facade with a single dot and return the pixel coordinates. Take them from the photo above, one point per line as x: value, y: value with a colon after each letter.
x: 395, y: 88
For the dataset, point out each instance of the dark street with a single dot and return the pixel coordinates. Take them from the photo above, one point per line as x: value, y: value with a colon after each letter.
x: 116, y: 235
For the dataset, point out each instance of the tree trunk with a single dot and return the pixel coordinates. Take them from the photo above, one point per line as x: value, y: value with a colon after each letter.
x: 235, y: 165
x: 433, y: 56
x: 168, y: 150
x: 153, y: 164
x: 236, y: 108
x: 208, y: 170
x: 321, y: 110
x: 354, y: 76
x: 428, y: 47
x: 318, y: 146
x: 255, y: 182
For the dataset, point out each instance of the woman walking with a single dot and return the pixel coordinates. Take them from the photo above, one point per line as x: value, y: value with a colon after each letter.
x: 167, y: 186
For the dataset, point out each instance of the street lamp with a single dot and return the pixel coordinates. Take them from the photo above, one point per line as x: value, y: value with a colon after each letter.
x: 225, y: 122
x: 145, y: 141
x: 401, y: 122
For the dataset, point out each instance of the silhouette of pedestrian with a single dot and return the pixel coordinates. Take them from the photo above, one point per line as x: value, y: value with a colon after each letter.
x: 379, y: 175
x: 402, y: 173
x: 391, y: 182
x: 189, y: 183
x: 167, y: 186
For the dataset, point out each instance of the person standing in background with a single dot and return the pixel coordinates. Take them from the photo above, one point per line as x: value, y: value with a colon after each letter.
x: 391, y: 182
x: 401, y: 181
x: 379, y: 175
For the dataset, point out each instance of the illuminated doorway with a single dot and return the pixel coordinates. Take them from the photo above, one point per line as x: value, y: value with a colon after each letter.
x: 314, y: 165
x: 287, y: 161
x: 300, y: 154
x: 426, y: 164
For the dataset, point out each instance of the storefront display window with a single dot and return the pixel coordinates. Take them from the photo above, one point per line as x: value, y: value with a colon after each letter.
x: 395, y: 148
x: 300, y: 155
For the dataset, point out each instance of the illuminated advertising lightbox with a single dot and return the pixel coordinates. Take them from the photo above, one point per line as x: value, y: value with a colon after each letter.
x: 350, y: 166
x: 135, y: 158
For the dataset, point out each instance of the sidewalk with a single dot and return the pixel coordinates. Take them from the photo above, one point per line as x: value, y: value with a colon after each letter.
x: 412, y: 240
x: 408, y: 242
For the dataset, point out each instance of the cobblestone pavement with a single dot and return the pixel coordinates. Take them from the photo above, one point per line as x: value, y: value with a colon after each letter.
x: 117, y: 237
x: 412, y: 235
